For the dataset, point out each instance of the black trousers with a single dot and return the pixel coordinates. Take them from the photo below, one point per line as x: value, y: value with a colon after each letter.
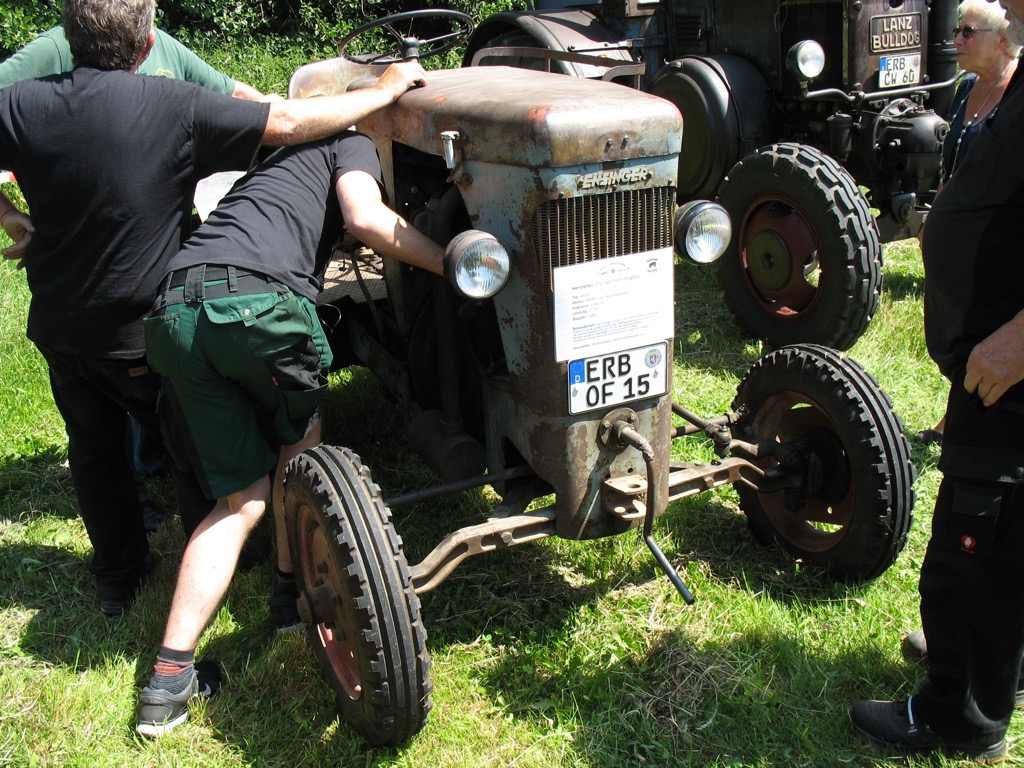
x: 972, y: 577
x: 94, y: 398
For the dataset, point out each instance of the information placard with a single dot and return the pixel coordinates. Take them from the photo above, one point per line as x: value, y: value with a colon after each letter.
x: 613, y: 304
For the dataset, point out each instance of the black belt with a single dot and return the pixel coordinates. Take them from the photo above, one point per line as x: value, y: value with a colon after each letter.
x: 203, y: 282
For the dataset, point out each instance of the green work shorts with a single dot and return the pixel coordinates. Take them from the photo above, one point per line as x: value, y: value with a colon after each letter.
x: 247, y: 374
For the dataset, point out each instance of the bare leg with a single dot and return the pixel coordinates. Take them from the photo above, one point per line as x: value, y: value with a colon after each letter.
x: 209, y: 563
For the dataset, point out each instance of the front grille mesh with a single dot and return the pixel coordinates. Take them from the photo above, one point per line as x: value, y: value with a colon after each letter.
x: 581, y: 229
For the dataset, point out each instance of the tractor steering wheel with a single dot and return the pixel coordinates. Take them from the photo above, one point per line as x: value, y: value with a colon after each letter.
x: 408, y: 46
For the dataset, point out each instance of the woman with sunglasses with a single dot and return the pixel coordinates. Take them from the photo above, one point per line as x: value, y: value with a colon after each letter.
x: 988, y: 60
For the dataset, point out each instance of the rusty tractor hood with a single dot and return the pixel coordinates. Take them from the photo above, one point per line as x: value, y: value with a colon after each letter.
x: 517, y: 117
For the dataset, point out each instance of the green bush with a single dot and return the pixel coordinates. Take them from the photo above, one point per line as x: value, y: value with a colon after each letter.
x: 313, y: 25
x: 22, y: 20
x: 312, y: 21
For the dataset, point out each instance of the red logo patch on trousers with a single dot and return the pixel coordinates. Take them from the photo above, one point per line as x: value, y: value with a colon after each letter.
x: 967, y: 544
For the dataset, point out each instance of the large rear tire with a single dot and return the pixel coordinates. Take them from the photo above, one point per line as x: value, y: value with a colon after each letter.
x: 852, y: 514
x: 805, y: 263
x: 356, y: 595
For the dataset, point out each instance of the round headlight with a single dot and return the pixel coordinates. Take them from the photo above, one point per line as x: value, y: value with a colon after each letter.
x: 476, y: 264
x: 702, y: 231
x: 806, y: 59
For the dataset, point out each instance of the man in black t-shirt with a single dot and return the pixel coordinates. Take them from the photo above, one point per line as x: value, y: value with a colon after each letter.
x: 234, y: 333
x: 108, y: 162
x: 972, y: 601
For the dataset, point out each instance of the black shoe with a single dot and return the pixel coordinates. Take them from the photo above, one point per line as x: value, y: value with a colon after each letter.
x: 915, y: 650
x: 116, y: 601
x: 891, y: 726
x: 929, y: 437
x: 284, y: 609
x: 211, y: 676
x: 255, y: 550
x: 152, y: 517
x: 915, y: 647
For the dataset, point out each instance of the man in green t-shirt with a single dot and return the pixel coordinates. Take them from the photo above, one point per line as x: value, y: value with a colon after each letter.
x: 50, y: 54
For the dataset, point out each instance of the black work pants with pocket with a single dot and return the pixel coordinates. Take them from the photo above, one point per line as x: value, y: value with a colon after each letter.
x: 972, y: 577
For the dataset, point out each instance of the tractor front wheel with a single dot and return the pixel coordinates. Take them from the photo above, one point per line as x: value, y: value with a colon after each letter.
x: 356, y: 595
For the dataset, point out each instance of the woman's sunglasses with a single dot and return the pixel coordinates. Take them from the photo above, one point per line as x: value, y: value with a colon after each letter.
x: 968, y: 32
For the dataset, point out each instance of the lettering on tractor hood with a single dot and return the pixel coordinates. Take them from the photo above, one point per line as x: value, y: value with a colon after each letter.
x: 613, y: 179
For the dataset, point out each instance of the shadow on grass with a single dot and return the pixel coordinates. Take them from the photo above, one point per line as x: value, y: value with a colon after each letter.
x: 758, y: 699
x: 757, y: 695
x: 903, y: 285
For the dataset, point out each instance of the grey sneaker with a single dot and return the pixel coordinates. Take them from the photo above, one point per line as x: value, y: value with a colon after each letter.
x: 161, y: 711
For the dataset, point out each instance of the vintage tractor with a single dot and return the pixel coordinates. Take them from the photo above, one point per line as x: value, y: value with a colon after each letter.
x: 807, y: 118
x: 542, y: 366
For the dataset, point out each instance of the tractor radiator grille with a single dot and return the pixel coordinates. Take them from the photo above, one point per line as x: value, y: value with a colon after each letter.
x: 580, y: 229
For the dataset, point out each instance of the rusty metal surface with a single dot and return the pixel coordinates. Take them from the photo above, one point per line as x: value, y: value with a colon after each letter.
x: 328, y: 77
x: 496, y: 533
x: 559, y: 31
x: 690, y: 479
x: 518, y: 117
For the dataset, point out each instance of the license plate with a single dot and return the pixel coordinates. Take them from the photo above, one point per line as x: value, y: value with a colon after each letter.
x: 619, y: 377
x: 897, y: 71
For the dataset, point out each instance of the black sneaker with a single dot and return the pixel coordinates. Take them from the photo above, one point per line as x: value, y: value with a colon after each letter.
x: 255, y: 550
x: 115, y: 602
x: 915, y: 647
x: 891, y: 725
x: 153, y: 517
x: 211, y: 676
x: 284, y: 609
x: 161, y: 711
x: 915, y: 650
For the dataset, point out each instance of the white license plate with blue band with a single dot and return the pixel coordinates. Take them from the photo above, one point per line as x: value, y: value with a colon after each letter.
x: 619, y: 377
x: 898, y: 71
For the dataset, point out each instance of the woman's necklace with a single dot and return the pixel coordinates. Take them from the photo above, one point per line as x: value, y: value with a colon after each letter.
x: 946, y: 173
x: 980, y: 110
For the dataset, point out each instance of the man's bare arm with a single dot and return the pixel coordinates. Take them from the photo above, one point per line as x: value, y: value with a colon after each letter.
x: 296, y: 121
x: 247, y: 92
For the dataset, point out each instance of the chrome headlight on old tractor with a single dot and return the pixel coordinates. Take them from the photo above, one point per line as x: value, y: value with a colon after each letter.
x: 702, y: 231
x: 476, y: 264
x: 806, y: 60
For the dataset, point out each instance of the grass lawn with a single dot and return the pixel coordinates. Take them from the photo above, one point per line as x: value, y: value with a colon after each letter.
x: 553, y: 654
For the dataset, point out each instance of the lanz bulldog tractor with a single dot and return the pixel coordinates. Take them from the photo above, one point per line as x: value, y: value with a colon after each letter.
x: 542, y: 365
x: 817, y: 123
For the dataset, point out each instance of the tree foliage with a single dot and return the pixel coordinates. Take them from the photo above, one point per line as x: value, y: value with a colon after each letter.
x: 21, y: 20
x: 312, y: 24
